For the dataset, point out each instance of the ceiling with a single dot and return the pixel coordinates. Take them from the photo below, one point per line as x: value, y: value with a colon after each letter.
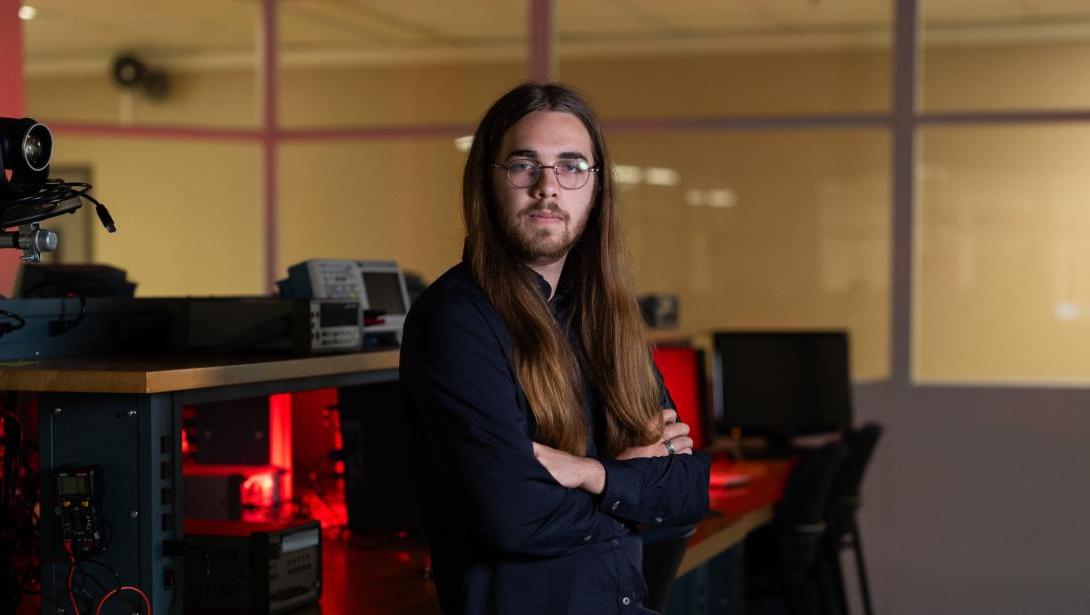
x: 77, y: 35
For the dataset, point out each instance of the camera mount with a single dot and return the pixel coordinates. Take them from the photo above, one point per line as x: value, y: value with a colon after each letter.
x: 28, y: 195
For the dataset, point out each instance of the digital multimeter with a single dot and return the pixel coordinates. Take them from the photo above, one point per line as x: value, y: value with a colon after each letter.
x: 78, y: 499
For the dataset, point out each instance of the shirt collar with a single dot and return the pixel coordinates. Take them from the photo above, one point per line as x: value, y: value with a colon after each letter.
x: 542, y: 284
x: 564, y: 288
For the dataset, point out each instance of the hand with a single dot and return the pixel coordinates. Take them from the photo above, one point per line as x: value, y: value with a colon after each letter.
x: 673, y: 430
x: 571, y: 471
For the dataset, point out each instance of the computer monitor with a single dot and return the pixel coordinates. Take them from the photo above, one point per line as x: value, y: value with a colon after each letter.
x: 781, y: 384
x: 682, y: 369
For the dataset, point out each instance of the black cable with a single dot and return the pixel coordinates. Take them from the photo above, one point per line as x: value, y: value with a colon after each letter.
x: 89, y: 560
x: 7, y: 327
x: 106, y: 539
x: 87, y: 575
x: 81, y: 578
x: 56, y: 191
x: 88, y: 597
x: 64, y: 325
x: 77, y: 563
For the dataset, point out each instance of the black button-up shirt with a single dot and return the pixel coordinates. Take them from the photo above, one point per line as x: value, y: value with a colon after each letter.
x: 505, y: 537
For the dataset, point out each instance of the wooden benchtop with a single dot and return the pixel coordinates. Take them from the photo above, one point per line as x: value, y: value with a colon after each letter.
x: 179, y: 372
x: 737, y: 511
x: 161, y: 374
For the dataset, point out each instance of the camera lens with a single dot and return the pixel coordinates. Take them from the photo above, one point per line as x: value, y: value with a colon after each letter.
x: 37, y: 147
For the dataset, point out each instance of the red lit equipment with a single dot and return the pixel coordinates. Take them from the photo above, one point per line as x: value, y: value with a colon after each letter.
x: 219, y: 491
x: 682, y: 369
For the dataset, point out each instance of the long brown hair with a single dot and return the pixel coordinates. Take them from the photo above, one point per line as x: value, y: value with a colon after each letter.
x: 605, y: 312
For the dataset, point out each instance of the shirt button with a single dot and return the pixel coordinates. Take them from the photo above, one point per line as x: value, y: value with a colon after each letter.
x: 615, y: 542
x: 615, y: 505
x: 587, y: 538
x: 626, y: 601
x: 658, y: 520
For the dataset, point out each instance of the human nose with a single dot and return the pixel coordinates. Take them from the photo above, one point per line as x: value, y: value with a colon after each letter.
x: 548, y: 184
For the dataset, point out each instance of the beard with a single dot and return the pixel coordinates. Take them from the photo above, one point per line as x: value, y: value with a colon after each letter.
x: 541, y: 244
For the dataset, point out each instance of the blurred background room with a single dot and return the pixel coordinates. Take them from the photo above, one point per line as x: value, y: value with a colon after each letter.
x: 913, y: 172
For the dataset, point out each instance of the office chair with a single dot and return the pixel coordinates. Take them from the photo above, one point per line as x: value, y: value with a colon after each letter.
x: 663, y: 550
x: 781, y: 557
x: 844, y: 501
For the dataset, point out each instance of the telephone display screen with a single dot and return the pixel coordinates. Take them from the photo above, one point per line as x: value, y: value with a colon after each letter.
x: 384, y: 292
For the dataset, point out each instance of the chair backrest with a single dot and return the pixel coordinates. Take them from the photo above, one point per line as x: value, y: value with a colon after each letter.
x: 806, y: 492
x: 848, y: 483
x: 663, y: 551
x: 799, y: 521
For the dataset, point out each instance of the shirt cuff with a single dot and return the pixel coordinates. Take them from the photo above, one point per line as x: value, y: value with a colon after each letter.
x: 621, y: 497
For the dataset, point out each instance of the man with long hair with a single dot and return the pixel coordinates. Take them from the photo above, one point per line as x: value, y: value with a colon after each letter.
x: 545, y: 435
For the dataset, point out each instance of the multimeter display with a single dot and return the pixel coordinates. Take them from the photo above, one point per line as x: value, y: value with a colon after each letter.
x: 73, y: 485
x: 78, y: 491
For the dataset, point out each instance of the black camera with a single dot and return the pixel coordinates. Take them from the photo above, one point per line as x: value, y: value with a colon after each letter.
x: 26, y: 147
x: 28, y: 195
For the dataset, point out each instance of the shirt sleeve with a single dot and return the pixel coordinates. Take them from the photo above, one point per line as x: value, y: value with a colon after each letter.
x: 456, y: 375
x: 658, y: 491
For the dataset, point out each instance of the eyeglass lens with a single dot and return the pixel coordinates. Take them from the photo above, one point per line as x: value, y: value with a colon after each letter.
x: 570, y: 174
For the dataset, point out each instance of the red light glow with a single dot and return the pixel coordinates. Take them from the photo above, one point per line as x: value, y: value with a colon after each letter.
x: 329, y: 510
x: 680, y: 371
x: 259, y: 490
x: 280, y: 439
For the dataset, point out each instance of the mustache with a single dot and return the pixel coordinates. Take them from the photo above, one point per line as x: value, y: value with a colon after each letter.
x: 550, y: 208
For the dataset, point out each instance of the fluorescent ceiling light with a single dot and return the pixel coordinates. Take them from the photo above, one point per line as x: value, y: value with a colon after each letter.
x: 627, y: 174
x: 462, y: 144
x: 720, y: 198
x: 1067, y: 310
x: 661, y: 177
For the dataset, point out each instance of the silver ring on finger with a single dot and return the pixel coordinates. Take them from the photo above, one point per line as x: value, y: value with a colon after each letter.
x: 669, y: 447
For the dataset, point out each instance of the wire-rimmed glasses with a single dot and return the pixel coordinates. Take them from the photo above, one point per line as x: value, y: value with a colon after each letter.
x: 570, y: 174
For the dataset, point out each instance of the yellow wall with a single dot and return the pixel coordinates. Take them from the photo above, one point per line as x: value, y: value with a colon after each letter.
x: 428, y: 94
x: 1003, y: 263
x: 749, y: 84
x: 188, y: 213
x: 216, y: 98
x: 806, y: 243
x: 1001, y: 77
x: 380, y: 199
